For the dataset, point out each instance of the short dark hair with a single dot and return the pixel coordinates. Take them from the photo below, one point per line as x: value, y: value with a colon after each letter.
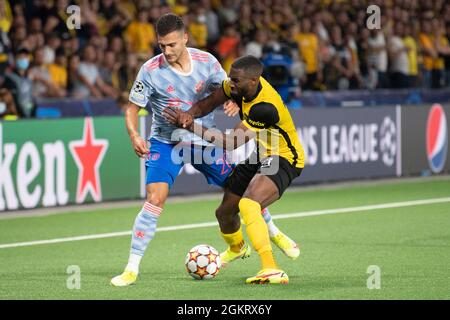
x: 250, y: 65
x: 60, y: 51
x: 22, y: 50
x: 169, y: 23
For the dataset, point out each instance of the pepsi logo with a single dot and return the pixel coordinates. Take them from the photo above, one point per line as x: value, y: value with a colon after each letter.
x: 437, y: 138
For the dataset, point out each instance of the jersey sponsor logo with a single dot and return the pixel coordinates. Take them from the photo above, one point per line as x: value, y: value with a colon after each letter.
x: 255, y: 123
x: 437, y: 138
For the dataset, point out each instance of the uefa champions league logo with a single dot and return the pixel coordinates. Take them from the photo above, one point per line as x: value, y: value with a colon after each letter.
x: 388, y: 141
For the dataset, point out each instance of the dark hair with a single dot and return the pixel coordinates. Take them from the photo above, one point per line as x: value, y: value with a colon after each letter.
x: 169, y: 23
x: 22, y: 50
x: 60, y: 51
x: 3, y: 67
x: 250, y: 65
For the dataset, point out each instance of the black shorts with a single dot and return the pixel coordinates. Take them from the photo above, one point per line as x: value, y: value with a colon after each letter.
x: 276, y: 168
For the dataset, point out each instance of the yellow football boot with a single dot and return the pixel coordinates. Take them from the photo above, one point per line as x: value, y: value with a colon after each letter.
x: 269, y: 276
x: 125, y: 279
x: 287, y: 245
x: 228, y: 256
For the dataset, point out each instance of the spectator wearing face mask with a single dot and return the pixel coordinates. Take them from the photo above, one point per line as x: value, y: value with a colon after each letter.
x: 53, y: 42
x: 20, y: 85
x: 43, y: 85
x: 198, y: 28
x: 255, y: 47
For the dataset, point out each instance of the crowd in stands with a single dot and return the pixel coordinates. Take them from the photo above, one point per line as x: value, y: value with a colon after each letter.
x: 328, y: 42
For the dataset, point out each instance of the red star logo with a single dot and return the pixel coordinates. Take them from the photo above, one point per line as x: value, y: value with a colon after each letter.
x: 88, y: 154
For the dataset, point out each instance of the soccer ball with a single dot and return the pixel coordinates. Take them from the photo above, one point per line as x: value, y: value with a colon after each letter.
x: 203, y: 262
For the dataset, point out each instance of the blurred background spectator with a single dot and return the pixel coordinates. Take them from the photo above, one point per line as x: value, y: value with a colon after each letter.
x: 18, y: 82
x: 325, y: 43
x: 398, y: 55
x: 7, y: 104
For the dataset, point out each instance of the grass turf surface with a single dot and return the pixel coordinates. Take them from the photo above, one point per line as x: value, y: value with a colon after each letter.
x: 410, y: 245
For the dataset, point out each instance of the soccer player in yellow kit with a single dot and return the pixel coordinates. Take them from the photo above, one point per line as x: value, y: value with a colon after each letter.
x: 261, y: 179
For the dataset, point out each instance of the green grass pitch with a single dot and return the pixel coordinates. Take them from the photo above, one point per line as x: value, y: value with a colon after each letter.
x: 410, y: 245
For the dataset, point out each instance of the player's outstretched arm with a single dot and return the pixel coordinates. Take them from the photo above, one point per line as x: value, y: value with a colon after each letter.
x: 207, y: 105
x: 131, y: 122
x: 228, y: 141
x: 199, y: 109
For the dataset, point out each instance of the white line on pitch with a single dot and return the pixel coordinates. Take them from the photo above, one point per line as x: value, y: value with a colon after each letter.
x: 212, y: 224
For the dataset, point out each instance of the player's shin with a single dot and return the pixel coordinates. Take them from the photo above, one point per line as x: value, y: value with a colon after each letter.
x: 143, y: 232
x: 257, y: 231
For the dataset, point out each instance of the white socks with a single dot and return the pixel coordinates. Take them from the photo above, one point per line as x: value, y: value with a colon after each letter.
x: 133, y: 263
x: 273, y: 230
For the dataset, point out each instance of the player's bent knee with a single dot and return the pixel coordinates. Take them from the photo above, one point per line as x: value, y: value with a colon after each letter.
x: 156, y: 200
x: 222, y: 214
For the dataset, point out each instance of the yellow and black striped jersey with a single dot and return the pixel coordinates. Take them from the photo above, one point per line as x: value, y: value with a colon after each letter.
x: 267, y: 115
